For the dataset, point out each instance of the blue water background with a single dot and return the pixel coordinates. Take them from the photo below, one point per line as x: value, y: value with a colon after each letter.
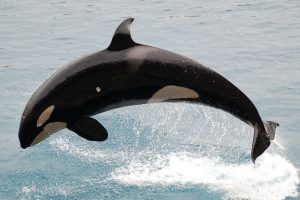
x: 254, y: 44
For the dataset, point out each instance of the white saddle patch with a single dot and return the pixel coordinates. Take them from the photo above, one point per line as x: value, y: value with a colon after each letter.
x: 173, y: 92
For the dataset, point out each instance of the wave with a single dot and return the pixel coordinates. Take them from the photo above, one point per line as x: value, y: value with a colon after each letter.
x: 148, y: 149
x: 272, y: 177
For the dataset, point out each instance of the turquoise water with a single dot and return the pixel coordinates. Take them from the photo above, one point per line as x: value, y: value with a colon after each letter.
x: 255, y: 44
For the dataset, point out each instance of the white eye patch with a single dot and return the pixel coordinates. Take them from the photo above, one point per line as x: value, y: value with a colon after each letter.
x: 44, y: 116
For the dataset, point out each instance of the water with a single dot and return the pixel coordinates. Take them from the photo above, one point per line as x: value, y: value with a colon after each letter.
x: 255, y: 44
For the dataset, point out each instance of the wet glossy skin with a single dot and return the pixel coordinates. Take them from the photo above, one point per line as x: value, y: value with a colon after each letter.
x: 126, y: 74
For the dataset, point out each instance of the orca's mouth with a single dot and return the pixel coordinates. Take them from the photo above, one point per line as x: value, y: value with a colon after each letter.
x: 25, y: 139
x: 27, y: 132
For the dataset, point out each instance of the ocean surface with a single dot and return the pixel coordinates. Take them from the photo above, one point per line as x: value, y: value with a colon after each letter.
x: 254, y: 44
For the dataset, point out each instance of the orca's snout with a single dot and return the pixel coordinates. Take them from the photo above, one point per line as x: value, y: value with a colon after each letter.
x: 27, y: 132
x: 24, y: 141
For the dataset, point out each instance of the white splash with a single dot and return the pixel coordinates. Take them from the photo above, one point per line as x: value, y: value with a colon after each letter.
x: 272, y: 177
x: 85, y: 152
x: 36, y: 191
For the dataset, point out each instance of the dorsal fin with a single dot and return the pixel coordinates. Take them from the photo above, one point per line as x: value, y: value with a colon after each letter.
x: 122, y: 38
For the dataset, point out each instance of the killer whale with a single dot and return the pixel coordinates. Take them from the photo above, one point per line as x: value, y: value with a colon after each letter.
x: 128, y: 73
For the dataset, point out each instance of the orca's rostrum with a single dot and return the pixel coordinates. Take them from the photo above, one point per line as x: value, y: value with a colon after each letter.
x: 128, y: 73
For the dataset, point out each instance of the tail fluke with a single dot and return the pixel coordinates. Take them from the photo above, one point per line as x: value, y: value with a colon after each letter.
x: 271, y: 128
x: 262, y: 137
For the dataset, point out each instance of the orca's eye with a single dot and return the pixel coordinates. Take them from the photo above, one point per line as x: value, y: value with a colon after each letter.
x: 98, y: 89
